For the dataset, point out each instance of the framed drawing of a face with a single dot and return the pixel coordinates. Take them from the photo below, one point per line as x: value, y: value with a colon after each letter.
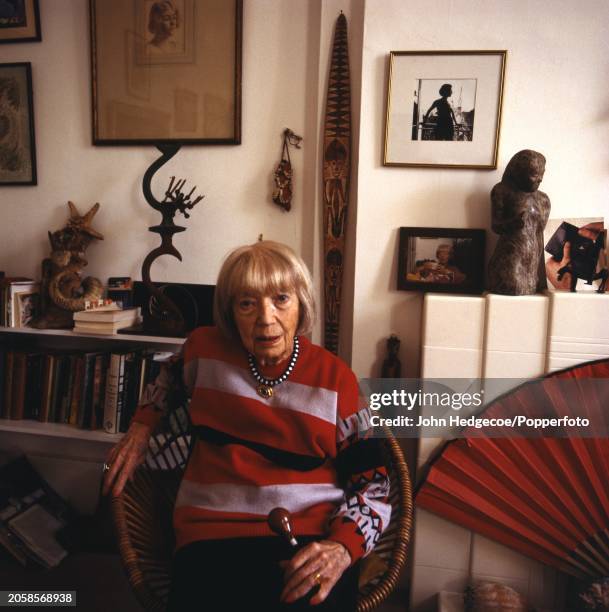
x: 166, y: 71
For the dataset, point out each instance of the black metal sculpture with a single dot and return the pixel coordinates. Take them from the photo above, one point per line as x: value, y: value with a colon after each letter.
x: 164, y: 317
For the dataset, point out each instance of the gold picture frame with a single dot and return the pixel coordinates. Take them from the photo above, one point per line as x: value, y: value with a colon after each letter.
x: 20, y: 22
x: 166, y: 71
x: 444, y: 109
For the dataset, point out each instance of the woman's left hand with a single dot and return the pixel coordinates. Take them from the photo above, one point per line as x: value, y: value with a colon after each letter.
x: 319, y: 563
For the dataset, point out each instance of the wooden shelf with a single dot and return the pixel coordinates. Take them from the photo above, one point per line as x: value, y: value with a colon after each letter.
x: 68, y: 333
x: 57, y: 430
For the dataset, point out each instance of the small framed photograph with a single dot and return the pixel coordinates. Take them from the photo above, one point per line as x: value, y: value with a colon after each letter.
x: 19, y: 21
x: 441, y: 259
x: 166, y: 71
x: 26, y: 307
x: 17, y: 138
x: 444, y: 108
x: 576, y: 256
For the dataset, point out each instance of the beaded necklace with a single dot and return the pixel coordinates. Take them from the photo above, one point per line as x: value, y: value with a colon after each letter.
x: 265, y: 385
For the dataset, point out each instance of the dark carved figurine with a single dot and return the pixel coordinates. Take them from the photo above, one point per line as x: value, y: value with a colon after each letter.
x: 392, y: 367
x: 519, y: 215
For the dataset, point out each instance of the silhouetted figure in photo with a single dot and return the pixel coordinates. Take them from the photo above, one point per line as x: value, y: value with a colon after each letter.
x: 445, y: 124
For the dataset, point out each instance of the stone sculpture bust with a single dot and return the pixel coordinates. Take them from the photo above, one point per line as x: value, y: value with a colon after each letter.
x: 519, y: 215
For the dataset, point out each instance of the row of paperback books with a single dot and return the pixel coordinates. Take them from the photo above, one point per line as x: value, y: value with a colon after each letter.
x: 90, y: 390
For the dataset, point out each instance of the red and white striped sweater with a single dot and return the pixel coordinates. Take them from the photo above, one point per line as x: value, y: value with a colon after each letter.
x: 301, y: 449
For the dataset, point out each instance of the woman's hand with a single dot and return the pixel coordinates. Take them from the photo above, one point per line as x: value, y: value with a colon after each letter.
x: 319, y: 563
x: 125, y: 457
x: 553, y: 266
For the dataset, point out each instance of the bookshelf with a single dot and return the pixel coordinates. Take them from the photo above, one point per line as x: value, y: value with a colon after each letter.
x: 68, y: 457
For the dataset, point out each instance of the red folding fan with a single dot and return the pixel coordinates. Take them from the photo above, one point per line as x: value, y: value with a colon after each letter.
x: 546, y: 497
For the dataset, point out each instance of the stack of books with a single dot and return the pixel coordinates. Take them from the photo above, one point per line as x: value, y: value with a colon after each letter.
x: 105, y: 322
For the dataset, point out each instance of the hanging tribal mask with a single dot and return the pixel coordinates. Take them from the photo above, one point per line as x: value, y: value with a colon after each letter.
x: 282, y: 194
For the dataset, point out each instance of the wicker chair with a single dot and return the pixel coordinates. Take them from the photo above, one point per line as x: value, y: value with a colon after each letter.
x: 142, y: 517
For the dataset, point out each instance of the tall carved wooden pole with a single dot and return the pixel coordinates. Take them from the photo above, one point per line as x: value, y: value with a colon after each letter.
x: 336, y: 170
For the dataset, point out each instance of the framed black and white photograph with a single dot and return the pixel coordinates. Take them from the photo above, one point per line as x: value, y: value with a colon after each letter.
x: 166, y: 71
x: 19, y: 21
x: 441, y: 259
x: 444, y: 108
x: 17, y: 138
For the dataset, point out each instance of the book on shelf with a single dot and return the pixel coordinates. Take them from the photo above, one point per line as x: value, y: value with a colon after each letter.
x: 7, y: 396
x: 99, y: 391
x: 76, y: 390
x: 114, y: 387
x: 32, y: 516
x: 2, y: 381
x: 17, y: 401
x: 106, y: 322
x: 104, y: 329
x: 34, y: 364
x: 46, y: 393
x: 107, y: 316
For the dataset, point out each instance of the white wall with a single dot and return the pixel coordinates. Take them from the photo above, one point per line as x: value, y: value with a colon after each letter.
x: 556, y: 101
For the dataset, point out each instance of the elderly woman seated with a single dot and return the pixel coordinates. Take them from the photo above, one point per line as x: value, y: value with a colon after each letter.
x: 279, y: 423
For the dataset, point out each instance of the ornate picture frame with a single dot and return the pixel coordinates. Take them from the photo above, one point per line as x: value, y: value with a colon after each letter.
x: 21, y: 23
x: 166, y: 71
x: 444, y: 109
x: 441, y: 259
x: 18, y: 143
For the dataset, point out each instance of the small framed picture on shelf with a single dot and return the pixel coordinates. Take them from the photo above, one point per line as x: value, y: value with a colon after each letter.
x: 441, y: 259
x: 26, y: 305
x: 444, y: 108
x: 166, y: 72
x: 17, y: 138
x: 19, y: 21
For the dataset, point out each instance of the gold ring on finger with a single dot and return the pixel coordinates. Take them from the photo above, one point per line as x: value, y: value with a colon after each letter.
x: 317, y: 578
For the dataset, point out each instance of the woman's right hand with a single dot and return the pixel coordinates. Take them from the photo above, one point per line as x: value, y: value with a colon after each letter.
x: 123, y: 459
